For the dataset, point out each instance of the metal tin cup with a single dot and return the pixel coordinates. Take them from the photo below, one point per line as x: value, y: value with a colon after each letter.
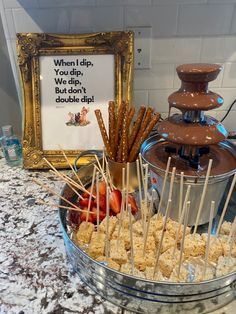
x: 115, y: 169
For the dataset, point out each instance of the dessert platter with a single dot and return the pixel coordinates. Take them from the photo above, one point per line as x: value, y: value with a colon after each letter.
x: 142, y: 224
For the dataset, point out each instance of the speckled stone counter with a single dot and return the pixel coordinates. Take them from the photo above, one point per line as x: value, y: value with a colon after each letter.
x: 35, y: 276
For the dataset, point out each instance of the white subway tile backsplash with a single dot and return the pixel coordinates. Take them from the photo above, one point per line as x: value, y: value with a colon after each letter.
x: 123, y: 2
x: 41, y: 20
x: 103, y: 18
x: 63, y: 3
x: 229, y: 77
x: 161, y: 18
x: 171, y: 50
x: 204, y: 19
x: 20, y: 3
x: 233, y: 25
x: 140, y: 98
x: 159, y: 76
x: 229, y: 121
x: 11, y: 32
x: 159, y: 99
x: 218, y: 49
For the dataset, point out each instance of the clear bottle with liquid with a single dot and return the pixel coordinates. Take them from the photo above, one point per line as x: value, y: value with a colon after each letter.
x: 11, y: 146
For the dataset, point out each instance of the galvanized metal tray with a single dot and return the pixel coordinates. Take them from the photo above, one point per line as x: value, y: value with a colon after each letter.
x: 140, y: 295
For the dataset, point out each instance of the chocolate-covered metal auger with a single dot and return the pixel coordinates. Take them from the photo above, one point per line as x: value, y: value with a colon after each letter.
x: 192, y: 131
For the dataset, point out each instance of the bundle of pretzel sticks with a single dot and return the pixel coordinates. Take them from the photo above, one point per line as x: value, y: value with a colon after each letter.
x: 125, y: 137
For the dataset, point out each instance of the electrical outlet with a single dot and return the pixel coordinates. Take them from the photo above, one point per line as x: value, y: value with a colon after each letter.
x: 142, y: 47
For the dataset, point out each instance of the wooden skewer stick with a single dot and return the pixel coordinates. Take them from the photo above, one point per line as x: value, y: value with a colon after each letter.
x: 203, y: 195
x: 181, y: 218
x: 121, y: 215
x: 90, y: 196
x: 208, y: 237
x: 141, y: 168
x: 72, y: 168
x: 145, y: 203
x: 232, y: 237
x: 226, y: 205
x: 77, y: 209
x: 123, y: 178
x: 148, y: 223
x: 162, y: 236
x: 172, y: 180
x: 233, y: 229
x: 107, y: 224
x: 72, y: 182
x: 164, y: 184
x: 131, y: 239
x: 97, y: 200
x: 140, y: 191
x: 67, y: 182
x: 99, y: 167
x: 127, y: 185
x: 183, y: 237
x: 181, y: 193
x: 46, y: 187
x: 109, y: 174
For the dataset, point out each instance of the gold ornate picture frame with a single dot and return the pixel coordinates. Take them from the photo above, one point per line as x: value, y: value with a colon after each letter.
x: 64, y: 78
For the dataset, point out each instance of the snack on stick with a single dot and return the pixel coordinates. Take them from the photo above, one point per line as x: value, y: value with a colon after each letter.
x: 109, y: 262
x: 111, y: 110
x: 104, y: 133
x: 136, y: 126
x: 225, y: 228
x: 111, y: 226
x: 138, y: 142
x: 96, y: 245
x: 215, y: 248
x: 118, y: 253
x: 84, y: 232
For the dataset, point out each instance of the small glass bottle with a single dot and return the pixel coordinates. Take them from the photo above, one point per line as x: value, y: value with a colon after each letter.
x: 11, y: 146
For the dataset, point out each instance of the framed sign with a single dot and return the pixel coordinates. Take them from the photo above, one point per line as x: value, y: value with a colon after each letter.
x: 64, y: 79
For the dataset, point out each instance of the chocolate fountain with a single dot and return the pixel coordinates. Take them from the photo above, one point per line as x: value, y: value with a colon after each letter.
x: 191, y: 139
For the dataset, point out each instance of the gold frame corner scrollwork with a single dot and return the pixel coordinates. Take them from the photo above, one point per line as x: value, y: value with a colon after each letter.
x: 30, y: 46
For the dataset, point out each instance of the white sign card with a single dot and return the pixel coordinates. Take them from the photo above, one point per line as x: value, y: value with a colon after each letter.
x: 73, y: 86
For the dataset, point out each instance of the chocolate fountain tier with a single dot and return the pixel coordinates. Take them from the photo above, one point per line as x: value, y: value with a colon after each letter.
x: 176, y: 130
x: 222, y: 154
x: 195, y: 101
x: 198, y: 72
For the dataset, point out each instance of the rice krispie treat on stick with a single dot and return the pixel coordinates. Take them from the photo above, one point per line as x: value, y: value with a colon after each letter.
x: 172, y: 228
x: 225, y: 265
x: 149, y: 274
x: 225, y: 228
x: 167, y: 261
x: 118, y: 252
x: 168, y: 240
x: 127, y: 269
x: 183, y: 274
x: 194, y: 245
x: 215, y: 249
x: 97, y: 244
x: 124, y: 235
x: 109, y: 262
x: 112, y: 224
x: 224, y: 239
x: 125, y: 219
x: 84, y: 232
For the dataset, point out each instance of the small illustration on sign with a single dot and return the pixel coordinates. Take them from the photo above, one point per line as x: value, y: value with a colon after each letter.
x: 79, y: 118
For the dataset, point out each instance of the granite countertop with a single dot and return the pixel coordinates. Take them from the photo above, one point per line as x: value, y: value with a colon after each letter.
x: 35, y: 276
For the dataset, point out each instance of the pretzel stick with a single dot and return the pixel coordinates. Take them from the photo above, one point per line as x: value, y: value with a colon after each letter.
x: 122, y: 153
x: 137, y: 125
x: 111, y: 110
x: 138, y: 142
x: 130, y: 116
x: 103, y: 133
x: 119, y: 123
x: 147, y: 117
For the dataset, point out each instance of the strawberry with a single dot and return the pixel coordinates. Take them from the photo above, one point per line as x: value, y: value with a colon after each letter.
x: 85, y: 203
x: 102, y: 202
x: 85, y: 195
x: 102, y: 215
x: 102, y: 188
x: 91, y: 216
x: 73, y: 217
x: 115, y: 201
x: 132, y: 202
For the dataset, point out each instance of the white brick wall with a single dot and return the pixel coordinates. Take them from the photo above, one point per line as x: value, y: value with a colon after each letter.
x: 183, y: 31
